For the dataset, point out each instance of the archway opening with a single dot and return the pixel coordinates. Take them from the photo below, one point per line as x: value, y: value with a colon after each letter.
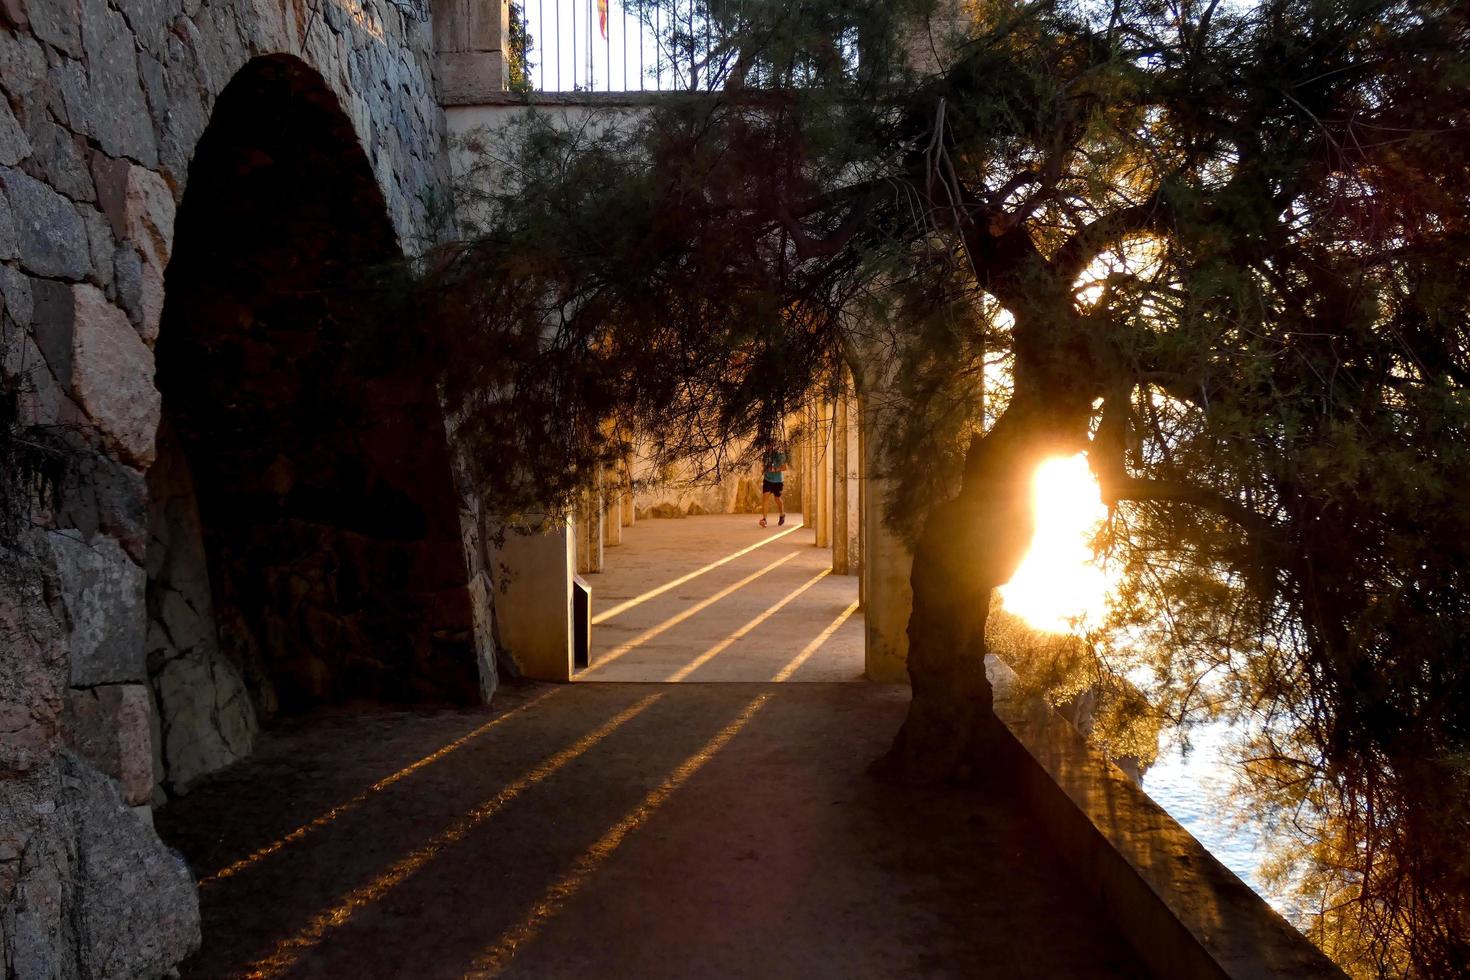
x: 305, y: 546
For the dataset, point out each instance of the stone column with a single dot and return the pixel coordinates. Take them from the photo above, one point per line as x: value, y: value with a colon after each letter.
x: 846, y: 478
x: 471, y: 39
x: 887, y: 596
x: 612, y: 516
x: 534, y: 609
x: 824, y: 474
x: 589, y: 529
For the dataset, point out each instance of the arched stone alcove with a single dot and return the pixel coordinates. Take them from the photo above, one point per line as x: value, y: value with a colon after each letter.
x: 304, y: 530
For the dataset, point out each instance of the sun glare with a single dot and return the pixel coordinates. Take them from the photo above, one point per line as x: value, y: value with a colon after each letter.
x: 1060, y: 586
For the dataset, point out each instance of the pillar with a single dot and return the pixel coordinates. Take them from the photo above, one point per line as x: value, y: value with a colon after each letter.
x: 846, y: 476
x: 887, y: 596
x: 534, y: 608
x: 472, y: 39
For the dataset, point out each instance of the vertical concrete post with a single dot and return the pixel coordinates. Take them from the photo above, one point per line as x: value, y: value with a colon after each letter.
x: 534, y: 608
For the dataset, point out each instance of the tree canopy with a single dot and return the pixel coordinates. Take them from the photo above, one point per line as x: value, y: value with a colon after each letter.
x: 1222, y: 249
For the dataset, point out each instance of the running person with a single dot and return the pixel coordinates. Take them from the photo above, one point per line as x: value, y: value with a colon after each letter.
x: 773, y: 483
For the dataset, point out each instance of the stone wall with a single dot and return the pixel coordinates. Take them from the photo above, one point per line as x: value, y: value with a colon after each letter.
x: 104, y: 103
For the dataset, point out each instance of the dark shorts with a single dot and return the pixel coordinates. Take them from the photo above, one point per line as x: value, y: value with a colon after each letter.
x: 771, y: 486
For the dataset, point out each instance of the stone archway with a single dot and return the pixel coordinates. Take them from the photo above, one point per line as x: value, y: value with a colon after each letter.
x: 304, y: 541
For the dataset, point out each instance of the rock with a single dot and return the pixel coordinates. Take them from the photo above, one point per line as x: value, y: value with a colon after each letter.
x: 15, y: 146
x: 137, y: 906
x: 112, y: 72
x: 57, y: 23
x: 22, y: 64
x: 665, y: 509
x: 13, y: 15
x: 75, y: 108
x: 52, y: 238
x: 696, y: 509
x: 33, y: 669
x: 109, y: 727
x: 207, y: 717
x: 112, y: 376
x: 99, y: 240
x: 59, y: 158
x: 138, y: 203
x: 102, y: 592
x: 15, y: 287
x: 128, y: 276
x: 9, y: 247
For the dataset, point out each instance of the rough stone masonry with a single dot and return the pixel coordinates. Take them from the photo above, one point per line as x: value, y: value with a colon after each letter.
x: 104, y: 105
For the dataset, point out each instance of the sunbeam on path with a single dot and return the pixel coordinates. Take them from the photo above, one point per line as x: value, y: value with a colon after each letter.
x: 623, y: 648
x: 785, y: 673
x: 290, y: 950
x: 621, y: 607
x: 745, y: 630
x: 337, y: 812
x: 493, y: 961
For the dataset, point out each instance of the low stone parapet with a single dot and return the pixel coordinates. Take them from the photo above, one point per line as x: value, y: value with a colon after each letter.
x: 1186, y: 913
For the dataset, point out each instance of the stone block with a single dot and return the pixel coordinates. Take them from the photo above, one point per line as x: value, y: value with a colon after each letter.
x: 139, y: 204
x: 112, y: 74
x: 109, y: 727
x: 15, y: 146
x: 58, y: 23
x: 472, y: 77
x: 112, y: 376
x: 9, y: 234
x: 51, y: 236
x: 102, y: 592
x: 59, y: 158
x: 208, y: 720
x: 137, y: 906
x: 32, y: 669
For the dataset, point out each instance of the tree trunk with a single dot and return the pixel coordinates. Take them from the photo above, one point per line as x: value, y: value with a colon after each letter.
x: 969, y: 546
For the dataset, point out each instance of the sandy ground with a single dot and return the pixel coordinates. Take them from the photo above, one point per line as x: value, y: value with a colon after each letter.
x: 640, y: 830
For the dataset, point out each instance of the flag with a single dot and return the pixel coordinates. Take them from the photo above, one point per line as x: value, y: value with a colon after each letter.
x: 602, y: 17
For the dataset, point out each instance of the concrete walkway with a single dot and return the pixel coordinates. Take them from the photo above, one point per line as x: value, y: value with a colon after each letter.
x: 719, y: 598
x: 622, y: 830
x: 640, y: 830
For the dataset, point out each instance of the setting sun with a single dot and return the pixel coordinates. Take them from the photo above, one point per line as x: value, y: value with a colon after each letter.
x: 1060, y: 584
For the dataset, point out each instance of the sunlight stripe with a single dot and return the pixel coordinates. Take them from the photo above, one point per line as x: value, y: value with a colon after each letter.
x: 342, y: 810
x: 745, y: 630
x: 607, y: 614
x: 812, y: 647
x: 494, y: 960
x: 290, y: 950
x: 604, y: 659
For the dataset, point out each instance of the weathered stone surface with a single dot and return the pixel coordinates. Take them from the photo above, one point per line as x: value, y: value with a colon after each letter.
x: 73, y: 103
x: 109, y: 727
x: 128, y: 278
x: 106, y: 496
x: 22, y: 63
x: 137, y: 908
x: 14, y: 145
x: 15, y: 288
x: 59, y: 158
x: 112, y: 376
x: 112, y: 70
x: 9, y: 247
x: 100, y: 243
x: 102, y: 592
x: 33, y: 668
x: 208, y: 720
x: 50, y: 233
x: 56, y: 22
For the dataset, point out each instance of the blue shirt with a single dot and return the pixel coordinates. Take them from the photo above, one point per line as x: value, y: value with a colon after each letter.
x: 774, y: 460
